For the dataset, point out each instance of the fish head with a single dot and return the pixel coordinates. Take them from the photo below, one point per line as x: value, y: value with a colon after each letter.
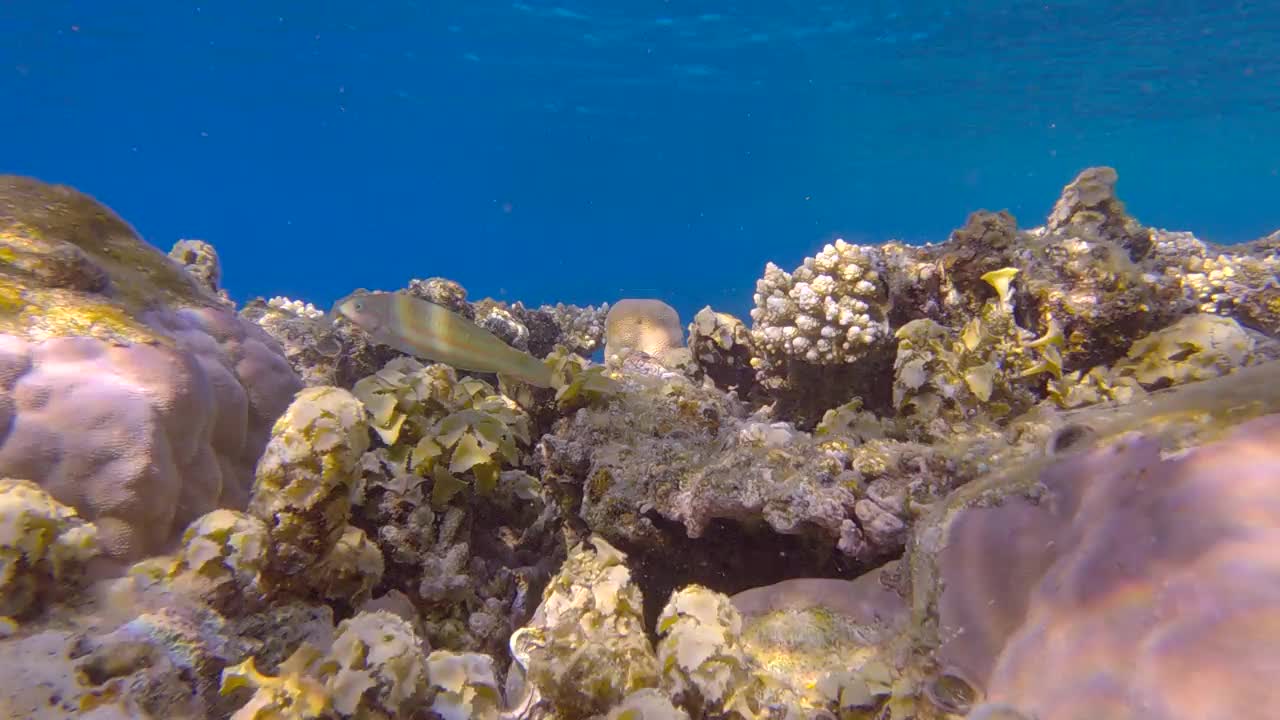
x: 369, y: 311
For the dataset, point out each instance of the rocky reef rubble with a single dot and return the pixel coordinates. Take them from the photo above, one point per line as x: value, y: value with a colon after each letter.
x: 1022, y: 473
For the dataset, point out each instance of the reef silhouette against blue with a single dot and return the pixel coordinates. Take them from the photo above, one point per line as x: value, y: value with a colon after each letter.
x: 686, y: 361
x: 581, y: 152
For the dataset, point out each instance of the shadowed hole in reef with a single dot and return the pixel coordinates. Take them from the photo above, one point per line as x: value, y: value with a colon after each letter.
x: 730, y: 558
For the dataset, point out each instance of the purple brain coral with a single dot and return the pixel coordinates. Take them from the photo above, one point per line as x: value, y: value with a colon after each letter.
x: 127, y: 390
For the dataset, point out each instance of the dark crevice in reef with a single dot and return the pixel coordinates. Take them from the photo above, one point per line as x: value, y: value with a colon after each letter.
x: 729, y: 558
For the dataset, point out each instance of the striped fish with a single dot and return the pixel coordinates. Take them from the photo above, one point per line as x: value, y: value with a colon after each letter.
x: 429, y: 331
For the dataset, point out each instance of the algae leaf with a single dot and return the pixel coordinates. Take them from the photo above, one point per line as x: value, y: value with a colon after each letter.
x: 444, y: 486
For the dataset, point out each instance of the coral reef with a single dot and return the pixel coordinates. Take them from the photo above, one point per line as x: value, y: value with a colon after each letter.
x: 824, y: 325
x: 677, y: 476
x: 445, y: 498
x: 127, y: 390
x: 1022, y: 473
x: 304, y: 485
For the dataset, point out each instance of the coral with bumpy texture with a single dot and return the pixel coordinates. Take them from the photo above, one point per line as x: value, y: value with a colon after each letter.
x: 443, y: 292
x: 586, y: 648
x: 500, y: 321
x: 697, y: 494
x: 641, y: 325
x: 306, y: 477
x: 1141, y: 584
x: 1089, y: 270
x: 829, y: 311
x: 822, y: 332
x: 296, y: 307
x: 42, y: 545
x: 127, y: 390
x: 580, y: 329
x: 1238, y: 281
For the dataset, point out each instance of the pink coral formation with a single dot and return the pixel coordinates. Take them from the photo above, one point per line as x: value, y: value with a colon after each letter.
x: 1137, y: 586
x: 142, y: 439
x: 127, y: 390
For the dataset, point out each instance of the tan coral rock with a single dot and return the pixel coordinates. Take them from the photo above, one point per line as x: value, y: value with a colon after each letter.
x: 649, y: 326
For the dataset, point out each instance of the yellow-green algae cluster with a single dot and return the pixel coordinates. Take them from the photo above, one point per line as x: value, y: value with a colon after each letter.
x: 986, y: 372
x: 69, y: 266
x: 586, y: 648
x: 704, y: 664
x: 376, y: 669
x: 1196, y: 347
x: 43, y: 544
x: 459, y: 433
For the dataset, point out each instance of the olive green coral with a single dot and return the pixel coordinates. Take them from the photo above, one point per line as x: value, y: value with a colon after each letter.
x: 42, y: 544
x: 73, y: 267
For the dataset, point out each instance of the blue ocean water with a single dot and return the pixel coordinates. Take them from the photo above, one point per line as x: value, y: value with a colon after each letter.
x: 579, y: 151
